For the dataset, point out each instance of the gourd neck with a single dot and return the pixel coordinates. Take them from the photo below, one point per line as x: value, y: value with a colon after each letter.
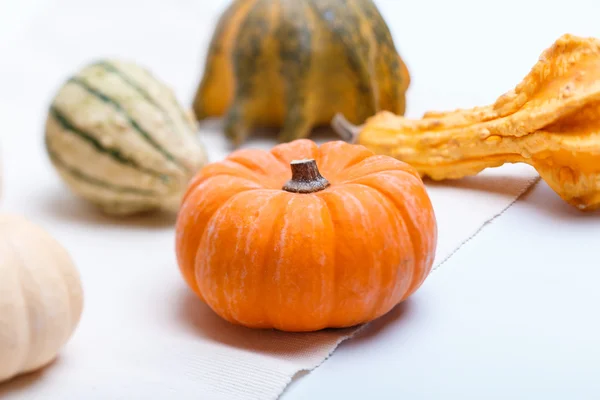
x: 345, y: 129
x: 306, y: 177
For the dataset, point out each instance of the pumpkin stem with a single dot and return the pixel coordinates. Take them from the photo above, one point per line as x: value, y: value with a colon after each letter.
x: 345, y: 129
x: 306, y: 177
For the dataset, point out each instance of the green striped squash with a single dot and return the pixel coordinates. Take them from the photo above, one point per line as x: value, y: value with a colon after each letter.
x: 119, y: 138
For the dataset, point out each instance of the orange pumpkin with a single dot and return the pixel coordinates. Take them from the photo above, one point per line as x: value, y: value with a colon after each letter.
x: 268, y: 242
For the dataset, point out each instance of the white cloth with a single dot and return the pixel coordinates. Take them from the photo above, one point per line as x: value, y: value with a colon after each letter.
x: 143, y: 335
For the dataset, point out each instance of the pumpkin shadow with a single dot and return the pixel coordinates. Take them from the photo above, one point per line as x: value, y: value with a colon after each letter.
x: 371, y: 331
x: 203, y: 322
x: 64, y: 206
x: 376, y: 328
x: 23, y: 382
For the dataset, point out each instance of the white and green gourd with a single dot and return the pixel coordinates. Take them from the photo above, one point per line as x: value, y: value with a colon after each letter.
x: 120, y: 139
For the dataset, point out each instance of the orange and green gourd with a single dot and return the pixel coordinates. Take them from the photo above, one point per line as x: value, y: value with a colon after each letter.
x: 293, y: 64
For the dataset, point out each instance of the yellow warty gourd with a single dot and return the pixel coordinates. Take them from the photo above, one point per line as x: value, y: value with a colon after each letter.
x: 550, y: 120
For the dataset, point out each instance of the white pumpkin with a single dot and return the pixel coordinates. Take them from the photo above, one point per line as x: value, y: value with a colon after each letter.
x: 119, y: 138
x: 41, y: 297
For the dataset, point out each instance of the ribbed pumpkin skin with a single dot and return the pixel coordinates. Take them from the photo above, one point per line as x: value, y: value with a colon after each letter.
x: 294, y: 64
x: 264, y: 257
x: 119, y: 138
x: 41, y: 297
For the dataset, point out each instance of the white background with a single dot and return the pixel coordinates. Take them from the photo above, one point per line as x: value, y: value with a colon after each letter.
x: 514, y: 313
